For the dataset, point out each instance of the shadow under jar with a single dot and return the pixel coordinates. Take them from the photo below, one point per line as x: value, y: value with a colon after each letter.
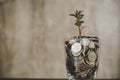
x: 82, y: 57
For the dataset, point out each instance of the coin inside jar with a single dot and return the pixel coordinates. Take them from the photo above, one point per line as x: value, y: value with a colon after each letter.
x: 85, y: 41
x: 92, y: 57
x: 92, y: 45
x: 76, y: 49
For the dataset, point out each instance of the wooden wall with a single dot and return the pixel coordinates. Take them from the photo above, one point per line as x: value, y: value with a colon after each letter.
x: 32, y: 34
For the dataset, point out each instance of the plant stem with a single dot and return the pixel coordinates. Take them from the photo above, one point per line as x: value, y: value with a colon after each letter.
x: 79, y: 31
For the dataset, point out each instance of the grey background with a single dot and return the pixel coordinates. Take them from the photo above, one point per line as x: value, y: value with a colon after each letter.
x: 32, y: 35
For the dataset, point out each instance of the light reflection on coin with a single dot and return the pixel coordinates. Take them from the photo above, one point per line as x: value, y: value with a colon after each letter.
x: 76, y: 48
x: 85, y: 41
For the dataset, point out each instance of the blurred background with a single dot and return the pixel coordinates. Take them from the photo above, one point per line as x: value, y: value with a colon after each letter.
x: 32, y: 35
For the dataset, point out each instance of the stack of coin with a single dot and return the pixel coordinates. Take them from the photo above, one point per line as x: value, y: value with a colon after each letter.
x: 92, y: 57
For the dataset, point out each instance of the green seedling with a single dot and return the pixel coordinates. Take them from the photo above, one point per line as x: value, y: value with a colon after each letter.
x: 78, y: 22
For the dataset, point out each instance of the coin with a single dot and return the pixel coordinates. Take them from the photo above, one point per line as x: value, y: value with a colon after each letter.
x: 92, y: 45
x: 85, y: 41
x: 92, y: 56
x: 76, y: 48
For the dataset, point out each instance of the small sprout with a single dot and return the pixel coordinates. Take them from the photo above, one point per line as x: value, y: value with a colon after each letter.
x: 78, y: 15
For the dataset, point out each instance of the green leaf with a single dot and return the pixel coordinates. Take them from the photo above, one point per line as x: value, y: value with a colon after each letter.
x: 72, y: 15
x: 81, y: 16
x: 76, y: 11
x: 79, y: 12
x: 81, y: 22
x: 76, y: 24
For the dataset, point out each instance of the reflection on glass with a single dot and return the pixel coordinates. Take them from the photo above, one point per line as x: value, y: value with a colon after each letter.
x: 82, y: 57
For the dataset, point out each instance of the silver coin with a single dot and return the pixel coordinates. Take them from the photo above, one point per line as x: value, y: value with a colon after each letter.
x: 85, y: 41
x: 76, y: 48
